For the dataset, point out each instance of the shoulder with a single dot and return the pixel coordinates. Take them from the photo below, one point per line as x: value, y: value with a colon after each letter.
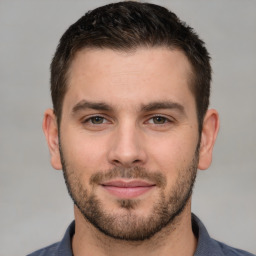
x: 63, y: 248
x: 231, y: 251
x: 50, y: 250
x: 208, y: 246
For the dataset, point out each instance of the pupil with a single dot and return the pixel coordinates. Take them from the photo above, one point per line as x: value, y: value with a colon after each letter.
x: 97, y: 120
x: 159, y: 120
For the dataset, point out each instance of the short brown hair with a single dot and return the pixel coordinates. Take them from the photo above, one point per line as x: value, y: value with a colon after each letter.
x: 127, y: 26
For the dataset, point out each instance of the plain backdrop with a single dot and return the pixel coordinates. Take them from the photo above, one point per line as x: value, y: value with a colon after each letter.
x: 35, y: 207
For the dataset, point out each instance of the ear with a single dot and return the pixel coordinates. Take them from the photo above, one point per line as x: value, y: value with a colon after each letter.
x: 50, y: 129
x: 208, y: 137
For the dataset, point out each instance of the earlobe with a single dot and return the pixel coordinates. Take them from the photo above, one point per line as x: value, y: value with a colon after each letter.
x: 208, y: 137
x: 50, y: 129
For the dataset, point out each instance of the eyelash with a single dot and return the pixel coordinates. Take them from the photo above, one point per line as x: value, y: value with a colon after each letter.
x: 165, y: 119
x: 89, y: 120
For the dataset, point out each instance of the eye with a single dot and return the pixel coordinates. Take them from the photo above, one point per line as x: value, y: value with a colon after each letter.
x: 95, y: 120
x: 158, y: 120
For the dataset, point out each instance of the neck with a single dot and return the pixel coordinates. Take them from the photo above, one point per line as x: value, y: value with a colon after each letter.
x: 175, y: 239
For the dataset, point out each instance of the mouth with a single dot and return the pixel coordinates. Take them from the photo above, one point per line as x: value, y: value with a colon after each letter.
x: 127, y: 189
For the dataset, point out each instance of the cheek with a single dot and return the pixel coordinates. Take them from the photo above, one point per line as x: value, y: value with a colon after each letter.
x: 83, y: 152
x: 172, y: 153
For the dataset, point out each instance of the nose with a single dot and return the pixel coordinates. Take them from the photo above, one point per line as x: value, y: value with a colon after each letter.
x: 127, y: 147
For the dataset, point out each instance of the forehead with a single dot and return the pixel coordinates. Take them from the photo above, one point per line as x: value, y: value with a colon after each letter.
x: 145, y: 74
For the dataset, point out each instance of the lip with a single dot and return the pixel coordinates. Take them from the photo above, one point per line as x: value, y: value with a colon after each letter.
x: 127, y: 189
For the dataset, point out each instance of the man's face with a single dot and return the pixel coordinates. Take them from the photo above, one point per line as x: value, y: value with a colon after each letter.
x: 129, y: 139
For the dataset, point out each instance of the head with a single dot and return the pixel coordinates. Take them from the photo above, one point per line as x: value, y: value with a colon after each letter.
x: 130, y: 87
x: 126, y: 26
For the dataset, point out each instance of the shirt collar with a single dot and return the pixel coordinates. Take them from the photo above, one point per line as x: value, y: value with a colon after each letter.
x: 206, y: 246
x: 65, y: 246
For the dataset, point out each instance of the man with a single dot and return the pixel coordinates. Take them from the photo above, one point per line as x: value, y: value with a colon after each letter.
x: 130, y: 126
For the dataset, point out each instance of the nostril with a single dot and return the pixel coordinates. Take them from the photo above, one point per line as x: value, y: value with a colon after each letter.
x: 126, y: 152
x: 125, y: 164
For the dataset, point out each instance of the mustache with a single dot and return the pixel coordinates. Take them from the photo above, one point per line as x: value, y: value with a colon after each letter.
x: 129, y: 173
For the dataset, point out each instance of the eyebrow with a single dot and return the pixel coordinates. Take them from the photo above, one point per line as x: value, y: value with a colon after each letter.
x: 84, y: 104
x: 163, y: 105
x: 153, y: 106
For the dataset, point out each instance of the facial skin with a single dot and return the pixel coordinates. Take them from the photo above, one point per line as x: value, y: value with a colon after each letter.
x: 129, y: 120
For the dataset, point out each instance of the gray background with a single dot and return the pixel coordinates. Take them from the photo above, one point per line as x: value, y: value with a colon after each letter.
x: 35, y: 207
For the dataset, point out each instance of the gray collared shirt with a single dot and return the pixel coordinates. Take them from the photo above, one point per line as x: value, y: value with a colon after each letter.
x: 206, y: 246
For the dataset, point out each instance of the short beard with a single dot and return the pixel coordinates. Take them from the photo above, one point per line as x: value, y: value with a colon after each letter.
x: 128, y: 226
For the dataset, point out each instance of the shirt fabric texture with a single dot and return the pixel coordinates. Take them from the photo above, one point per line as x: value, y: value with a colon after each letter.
x: 206, y: 246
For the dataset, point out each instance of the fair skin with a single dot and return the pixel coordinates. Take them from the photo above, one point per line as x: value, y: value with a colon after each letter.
x: 129, y: 129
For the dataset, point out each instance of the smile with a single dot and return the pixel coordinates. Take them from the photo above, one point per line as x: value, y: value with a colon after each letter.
x: 127, y: 189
